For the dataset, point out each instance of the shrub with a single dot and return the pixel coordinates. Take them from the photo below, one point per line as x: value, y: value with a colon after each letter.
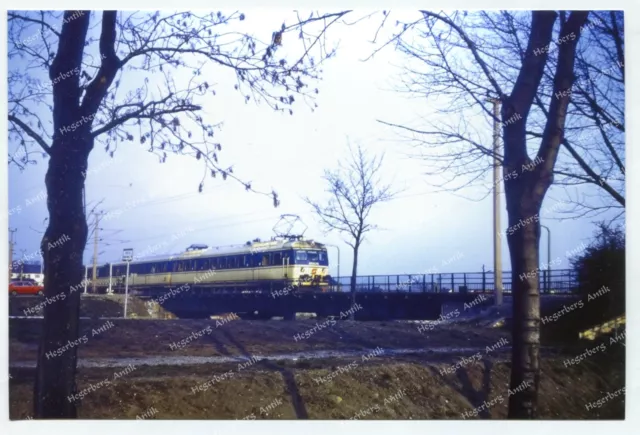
x: 600, y: 271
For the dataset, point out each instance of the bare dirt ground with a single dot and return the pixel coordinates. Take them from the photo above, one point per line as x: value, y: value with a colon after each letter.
x: 411, y: 385
x: 134, y: 338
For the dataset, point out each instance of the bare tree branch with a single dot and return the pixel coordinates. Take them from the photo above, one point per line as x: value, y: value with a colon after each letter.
x: 353, y: 190
x: 35, y: 136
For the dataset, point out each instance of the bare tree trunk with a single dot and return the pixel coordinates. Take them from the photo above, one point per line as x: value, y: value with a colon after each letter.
x: 63, y: 275
x: 523, y: 239
x: 354, y: 274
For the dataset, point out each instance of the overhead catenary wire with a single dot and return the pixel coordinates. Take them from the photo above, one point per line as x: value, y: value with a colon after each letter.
x: 199, y: 229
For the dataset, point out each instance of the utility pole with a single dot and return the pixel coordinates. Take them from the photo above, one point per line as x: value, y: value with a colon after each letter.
x: 497, y: 245
x: 95, y: 251
x: 11, y: 244
x: 23, y: 252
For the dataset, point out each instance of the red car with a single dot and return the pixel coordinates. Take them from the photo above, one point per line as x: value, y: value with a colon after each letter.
x: 25, y: 288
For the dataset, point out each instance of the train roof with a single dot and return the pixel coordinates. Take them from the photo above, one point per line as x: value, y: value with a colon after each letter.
x: 252, y: 247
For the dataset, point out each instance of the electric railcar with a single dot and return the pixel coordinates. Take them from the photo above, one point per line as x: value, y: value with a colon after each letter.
x: 278, y: 264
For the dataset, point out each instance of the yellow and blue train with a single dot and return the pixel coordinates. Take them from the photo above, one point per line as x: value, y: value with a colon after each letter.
x: 282, y: 263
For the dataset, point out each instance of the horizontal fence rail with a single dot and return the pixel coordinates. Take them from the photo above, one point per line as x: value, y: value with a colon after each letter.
x: 554, y: 281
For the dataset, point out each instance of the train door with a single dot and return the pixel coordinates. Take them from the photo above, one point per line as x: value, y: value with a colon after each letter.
x: 250, y: 271
x: 263, y: 267
x: 286, y: 268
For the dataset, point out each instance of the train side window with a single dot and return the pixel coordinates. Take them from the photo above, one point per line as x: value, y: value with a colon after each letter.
x: 153, y: 268
x: 223, y: 262
x: 247, y: 261
x: 277, y: 258
x: 265, y: 259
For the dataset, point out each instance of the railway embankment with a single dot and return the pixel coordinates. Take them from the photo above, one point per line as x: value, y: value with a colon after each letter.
x: 407, y: 387
x: 367, y: 370
x: 92, y: 306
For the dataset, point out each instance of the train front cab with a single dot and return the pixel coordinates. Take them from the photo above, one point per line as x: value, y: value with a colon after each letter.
x: 310, y: 269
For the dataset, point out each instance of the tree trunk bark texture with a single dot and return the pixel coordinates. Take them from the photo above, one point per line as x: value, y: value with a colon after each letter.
x: 525, y: 369
x: 62, y: 247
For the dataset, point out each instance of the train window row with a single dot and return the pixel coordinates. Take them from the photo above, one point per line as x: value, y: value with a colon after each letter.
x: 201, y: 264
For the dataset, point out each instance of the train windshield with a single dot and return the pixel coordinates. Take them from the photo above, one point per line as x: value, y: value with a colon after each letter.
x: 311, y: 256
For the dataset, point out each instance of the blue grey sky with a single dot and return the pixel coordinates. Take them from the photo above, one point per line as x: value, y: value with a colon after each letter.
x: 150, y: 202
